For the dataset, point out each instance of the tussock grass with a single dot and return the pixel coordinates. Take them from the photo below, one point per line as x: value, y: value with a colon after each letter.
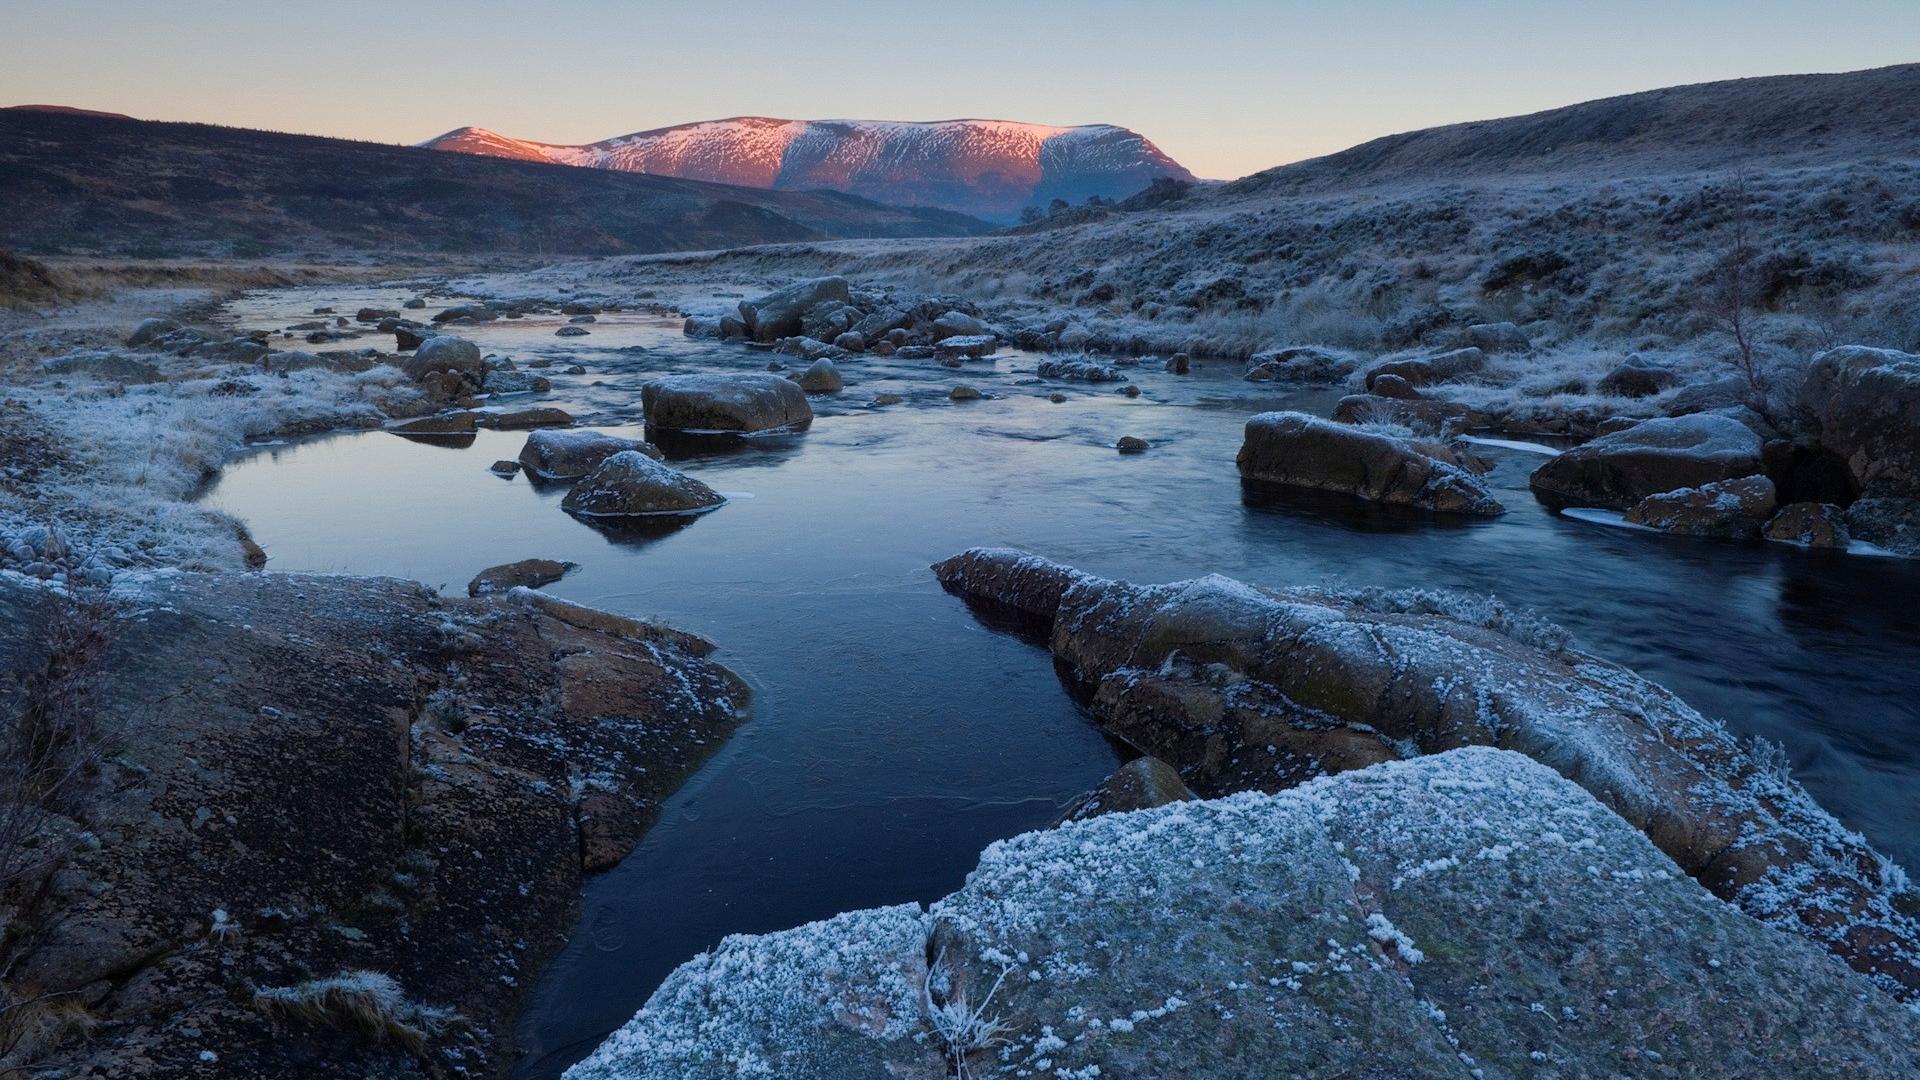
x: 364, y: 1003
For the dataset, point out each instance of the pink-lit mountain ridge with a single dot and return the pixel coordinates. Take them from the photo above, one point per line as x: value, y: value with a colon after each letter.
x: 987, y: 168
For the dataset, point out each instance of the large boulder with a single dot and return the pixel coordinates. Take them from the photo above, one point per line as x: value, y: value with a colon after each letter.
x: 1866, y: 405
x: 778, y: 314
x: 1427, y: 370
x: 1298, y: 450
x: 1466, y: 914
x: 1661, y: 454
x: 561, y: 454
x: 313, y: 775
x: 444, y: 352
x: 1732, y: 509
x: 1241, y: 688
x: 631, y: 484
x: 725, y: 403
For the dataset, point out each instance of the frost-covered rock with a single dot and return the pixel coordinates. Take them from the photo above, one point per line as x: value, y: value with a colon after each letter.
x: 725, y: 403
x: 778, y: 314
x: 631, y: 484
x: 570, y: 454
x: 1891, y: 523
x: 1733, y: 509
x: 1652, y: 456
x: 571, y: 330
x: 1298, y: 364
x: 444, y: 352
x: 1467, y: 914
x: 1246, y: 688
x: 151, y: 330
x: 1427, y: 370
x: 466, y: 313
x: 1809, y: 524
x: 1140, y: 784
x: 514, y: 382
x: 807, y: 348
x: 965, y: 346
x: 1297, y: 450
x: 821, y: 377
x: 950, y: 324
x: 1866, y: 405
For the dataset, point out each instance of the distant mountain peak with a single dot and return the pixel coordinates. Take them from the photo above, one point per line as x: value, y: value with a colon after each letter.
x: 987, y: 168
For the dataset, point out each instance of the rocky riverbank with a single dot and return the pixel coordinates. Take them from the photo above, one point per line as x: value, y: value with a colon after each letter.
x: 261, y: 824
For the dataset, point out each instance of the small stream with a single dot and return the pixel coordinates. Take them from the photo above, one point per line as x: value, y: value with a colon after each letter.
x: 893, y: 735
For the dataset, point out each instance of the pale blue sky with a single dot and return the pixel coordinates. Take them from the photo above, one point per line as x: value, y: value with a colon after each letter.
x: 1225, y: 86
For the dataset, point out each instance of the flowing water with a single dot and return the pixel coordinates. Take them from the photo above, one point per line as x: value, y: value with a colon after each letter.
x: 893, y: 735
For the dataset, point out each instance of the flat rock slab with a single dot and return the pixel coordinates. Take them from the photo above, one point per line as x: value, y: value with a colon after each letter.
x: 1467, y: 914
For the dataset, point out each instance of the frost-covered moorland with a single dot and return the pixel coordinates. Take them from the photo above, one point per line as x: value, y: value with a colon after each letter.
x: 1641, y: 224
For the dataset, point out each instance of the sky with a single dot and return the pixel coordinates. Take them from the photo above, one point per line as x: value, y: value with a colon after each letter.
x: 1227, y: 87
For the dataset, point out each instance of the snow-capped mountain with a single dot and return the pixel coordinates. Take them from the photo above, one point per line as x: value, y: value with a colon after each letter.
x: 988, y: 168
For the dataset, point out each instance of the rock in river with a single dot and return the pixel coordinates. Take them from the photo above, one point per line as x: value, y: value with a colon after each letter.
x: 821, y: 377
x: 569, y: 454
x: 527, y: 573
x: 1809, y: 524
x: 444, y: 352
x: 1732, y: 509
x: 1464, y: 914
x: 324, y: 781
x: 1661, y: 454
x: 631, y: 484
x: 1244, y: 688
x: 724, y: 403
x: 1297, y: 450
